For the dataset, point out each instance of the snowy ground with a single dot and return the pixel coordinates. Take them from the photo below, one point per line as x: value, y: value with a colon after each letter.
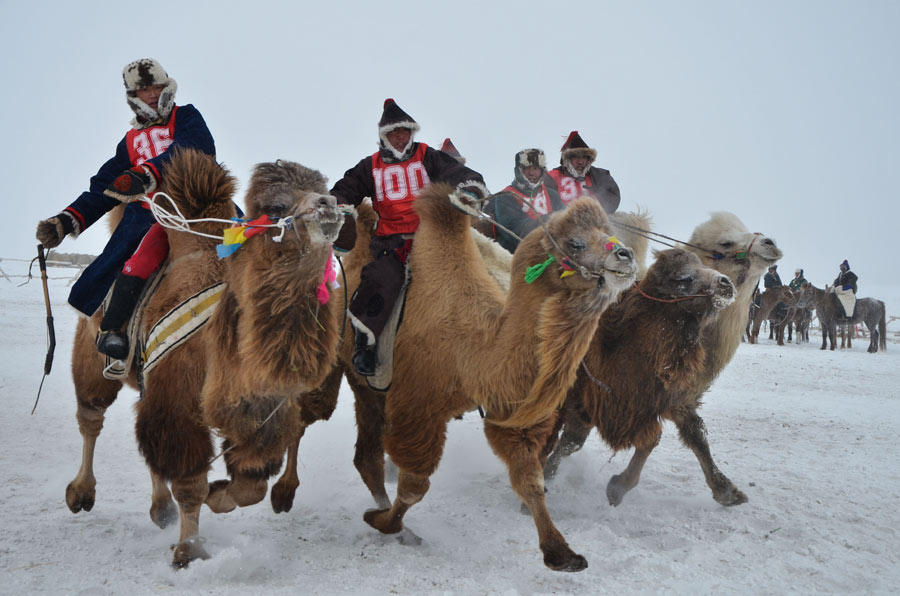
x: 809, y: 436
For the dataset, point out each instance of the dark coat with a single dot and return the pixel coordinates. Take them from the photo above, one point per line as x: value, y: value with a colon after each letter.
x: 846, y: 280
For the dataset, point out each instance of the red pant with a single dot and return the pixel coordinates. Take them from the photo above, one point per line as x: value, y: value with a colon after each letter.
x: 150, y: 254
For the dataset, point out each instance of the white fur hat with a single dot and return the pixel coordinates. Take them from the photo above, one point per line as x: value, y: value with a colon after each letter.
x: 145, y: 73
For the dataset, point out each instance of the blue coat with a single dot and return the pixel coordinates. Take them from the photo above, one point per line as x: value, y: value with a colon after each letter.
x: 93, y: 284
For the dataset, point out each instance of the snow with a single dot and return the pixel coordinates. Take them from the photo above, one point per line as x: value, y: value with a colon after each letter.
x: 810, y: 436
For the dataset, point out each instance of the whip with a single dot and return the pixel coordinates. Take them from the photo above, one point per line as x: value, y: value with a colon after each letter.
x: 48, y: 361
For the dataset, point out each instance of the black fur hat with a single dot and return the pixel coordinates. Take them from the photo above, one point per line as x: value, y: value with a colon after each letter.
x: 524, y: 159
x: 393, y: 118
x: 145, y: 73
x: 573, y: 146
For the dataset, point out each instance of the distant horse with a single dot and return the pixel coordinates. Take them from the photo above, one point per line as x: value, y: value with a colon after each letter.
x: 831, y: 314
x: 768, y: 301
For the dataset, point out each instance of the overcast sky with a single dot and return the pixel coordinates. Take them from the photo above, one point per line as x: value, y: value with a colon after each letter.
x: 782, y: 112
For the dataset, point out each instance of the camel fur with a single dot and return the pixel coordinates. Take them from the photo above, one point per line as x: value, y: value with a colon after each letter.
x: 173, y: 434
x: 723, y: 244
x: 464, y: 343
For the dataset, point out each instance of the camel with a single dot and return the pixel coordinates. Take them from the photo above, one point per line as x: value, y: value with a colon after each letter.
x: 635, y: 376
x: 465, y: 343
x: 252, y: 335
x: 724, y: 244
x: 831, y: 314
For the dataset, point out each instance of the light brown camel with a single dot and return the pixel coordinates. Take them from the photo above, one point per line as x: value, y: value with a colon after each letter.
x: 172, y: 434
x: 464, y: 343
x: 723, y: 244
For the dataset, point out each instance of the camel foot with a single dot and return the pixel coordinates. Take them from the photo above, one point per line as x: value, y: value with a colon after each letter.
x: 282, y: 497
x: 79, y: 500
x: 730, y: 496
x: 383, y: 521
x: 407, y: 537
x: 616, y: 490
x: 565, y: 560
x: 189, y: 549
x: 218, y: 499
x: 164, y: 514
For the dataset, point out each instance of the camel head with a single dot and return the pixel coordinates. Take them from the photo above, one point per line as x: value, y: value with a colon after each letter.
x: 585, y: 254
x: 679, y: 277
x: 723, y: 243
x: 284, y: 189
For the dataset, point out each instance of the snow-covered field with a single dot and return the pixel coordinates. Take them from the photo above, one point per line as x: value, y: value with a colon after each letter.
x: 810, y: 436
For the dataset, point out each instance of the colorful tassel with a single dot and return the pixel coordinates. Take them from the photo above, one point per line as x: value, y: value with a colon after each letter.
x: 535, y: 271
x: 233, y: 238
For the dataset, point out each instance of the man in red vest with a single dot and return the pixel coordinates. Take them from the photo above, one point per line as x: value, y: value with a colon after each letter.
x: 393, y: 177
x: 133, y: 172
x: 576, y: 176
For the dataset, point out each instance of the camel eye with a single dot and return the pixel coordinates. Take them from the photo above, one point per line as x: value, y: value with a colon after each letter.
x: 684, y: 281
x: 726, y: 244
x: 576, y: 245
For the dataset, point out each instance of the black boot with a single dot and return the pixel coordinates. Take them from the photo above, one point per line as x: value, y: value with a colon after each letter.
x: 364, y: 357
x: 112, y: 339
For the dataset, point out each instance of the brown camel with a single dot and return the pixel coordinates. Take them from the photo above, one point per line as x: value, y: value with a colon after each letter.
x: 172, y: 434
x: 463, y: 343
x: 644, y: 356
x: 724, y: 244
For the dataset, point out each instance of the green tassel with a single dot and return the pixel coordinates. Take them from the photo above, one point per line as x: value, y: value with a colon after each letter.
x: 535, y: 271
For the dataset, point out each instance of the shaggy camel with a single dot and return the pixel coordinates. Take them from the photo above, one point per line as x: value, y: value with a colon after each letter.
x: 172, y: 434
x: 635, y: 373
x: 724, y: 244
x: 465, y: 343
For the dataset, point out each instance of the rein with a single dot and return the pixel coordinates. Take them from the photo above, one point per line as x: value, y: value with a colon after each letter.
x: 669, y: 300
x: 738, y: 255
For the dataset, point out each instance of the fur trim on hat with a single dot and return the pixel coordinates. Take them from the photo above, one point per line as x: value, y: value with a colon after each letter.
x: 144, y: 73
x: 392, y: 118
x: 524, y: 159
x: 573, y: 146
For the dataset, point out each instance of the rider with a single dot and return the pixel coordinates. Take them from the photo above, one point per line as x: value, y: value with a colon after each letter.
x: 518, y: 206
x: 135, y: 170
x: 393, y: 177
x: 576, y: 176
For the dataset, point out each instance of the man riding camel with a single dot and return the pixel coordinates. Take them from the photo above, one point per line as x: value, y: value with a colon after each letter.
x: 136, y: 170
x: 576, y: 176
x: 393, y: 177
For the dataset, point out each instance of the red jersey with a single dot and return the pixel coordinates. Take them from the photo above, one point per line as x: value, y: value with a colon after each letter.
x: 569, y: 188
x: 540, y: 201
x: 397, y: 185
x: 147, y: 143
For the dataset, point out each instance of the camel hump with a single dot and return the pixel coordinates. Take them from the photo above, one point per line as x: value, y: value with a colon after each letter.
x: 198, y: 184
x: 274, y: 186
x: 434, y: 206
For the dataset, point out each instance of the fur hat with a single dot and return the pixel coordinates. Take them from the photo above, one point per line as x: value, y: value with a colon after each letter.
x: 573, y: 146
x: 393, y: 118
x: 773, y: 267
x: 845, y: 265
x: 145, y: 73
x: 798, y: 271
x: 450, y: 149
x: 524, y: 159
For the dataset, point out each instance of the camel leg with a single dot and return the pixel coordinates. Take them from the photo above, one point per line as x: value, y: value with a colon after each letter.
x: 94, y: 394
x: 692, y: 431
x: 163, y: 511
x: 574, y: 434
x: 190, y: 492
x: 619, y: 485
x: 241, y: 490
x: 411, y: 488
x: 283, y: 491
x: 369, y: 454
x: 520, y: 449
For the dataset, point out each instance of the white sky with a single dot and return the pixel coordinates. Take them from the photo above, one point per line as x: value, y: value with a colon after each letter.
x: 784, y: 113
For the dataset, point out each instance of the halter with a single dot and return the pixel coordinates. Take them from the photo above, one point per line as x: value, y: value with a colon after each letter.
x: 669, y: 300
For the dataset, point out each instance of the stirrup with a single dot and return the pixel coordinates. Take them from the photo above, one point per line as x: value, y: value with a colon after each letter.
x: 113, y: 343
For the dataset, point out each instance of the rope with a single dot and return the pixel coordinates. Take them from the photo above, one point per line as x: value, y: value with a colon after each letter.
x: 669, y: 300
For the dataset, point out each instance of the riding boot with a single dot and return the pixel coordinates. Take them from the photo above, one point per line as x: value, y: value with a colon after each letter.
x: 112, y: 339
x: 365, y: 358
